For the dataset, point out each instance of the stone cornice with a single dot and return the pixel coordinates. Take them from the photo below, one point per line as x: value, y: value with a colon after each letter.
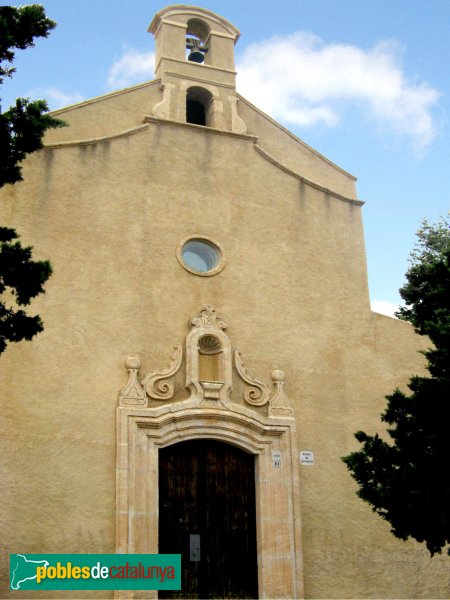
x: 97, y: 140
x: 126, y: 90
x: 204, y: 128
x: 165, y: 14
x: 210, y: 130
x: 202, y: 66
x: 308, y: 182
x: 297, y: 139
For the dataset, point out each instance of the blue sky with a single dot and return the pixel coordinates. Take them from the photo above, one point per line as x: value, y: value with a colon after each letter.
x: 364, y: 82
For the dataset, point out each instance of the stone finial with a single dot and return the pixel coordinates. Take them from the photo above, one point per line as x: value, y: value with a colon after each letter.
x: 278, y: 375
x: 132, y: 362
x: 132, y: 393
x: 279, y: 404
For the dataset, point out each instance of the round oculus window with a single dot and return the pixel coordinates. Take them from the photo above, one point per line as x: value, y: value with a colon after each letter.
x: 200, y: 255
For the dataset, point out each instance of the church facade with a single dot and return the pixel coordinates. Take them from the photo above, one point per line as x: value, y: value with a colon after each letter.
x: 209, y: 348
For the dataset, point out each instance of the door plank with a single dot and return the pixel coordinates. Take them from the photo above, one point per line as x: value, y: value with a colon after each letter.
x: 208, y: 488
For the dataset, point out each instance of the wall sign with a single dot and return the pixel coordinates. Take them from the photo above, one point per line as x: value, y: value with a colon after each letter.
x: 194, y: 547
x: 306, y: 457
x: 276, y: 459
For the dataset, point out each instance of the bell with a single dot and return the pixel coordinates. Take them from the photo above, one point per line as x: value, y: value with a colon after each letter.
x: 196, y: 55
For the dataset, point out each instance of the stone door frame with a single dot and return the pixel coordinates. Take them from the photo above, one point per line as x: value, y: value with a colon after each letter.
x: 140, y: 434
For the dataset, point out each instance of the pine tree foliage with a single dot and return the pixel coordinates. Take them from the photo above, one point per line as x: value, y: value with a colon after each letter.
x: 407, y: 481
x: 21, y: 279
x: 20, y: 27
x: 22, y: 128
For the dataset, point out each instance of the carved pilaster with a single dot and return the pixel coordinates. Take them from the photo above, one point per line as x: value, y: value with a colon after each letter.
x: 162, y: 109
x: 238, y: 125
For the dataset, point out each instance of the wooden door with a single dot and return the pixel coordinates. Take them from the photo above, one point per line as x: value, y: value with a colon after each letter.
x: 207, y: 489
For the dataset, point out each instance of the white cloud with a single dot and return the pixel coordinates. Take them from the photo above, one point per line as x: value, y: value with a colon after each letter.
x: 301, y: 80
x: 384, y: 307
x: 132, y: 67
x: 55, y: 97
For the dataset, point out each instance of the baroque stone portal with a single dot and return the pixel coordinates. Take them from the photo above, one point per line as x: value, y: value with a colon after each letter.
x: 209, y: 413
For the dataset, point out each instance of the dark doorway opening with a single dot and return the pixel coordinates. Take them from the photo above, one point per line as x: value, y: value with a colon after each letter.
x: 199, y: 106
x: 207, y: 514
x: 195, y: 112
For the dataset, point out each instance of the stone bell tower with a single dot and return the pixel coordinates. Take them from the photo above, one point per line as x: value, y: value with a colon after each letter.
x: 199, y: 88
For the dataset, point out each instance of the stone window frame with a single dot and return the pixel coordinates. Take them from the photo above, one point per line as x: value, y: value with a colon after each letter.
x: 202, y: 238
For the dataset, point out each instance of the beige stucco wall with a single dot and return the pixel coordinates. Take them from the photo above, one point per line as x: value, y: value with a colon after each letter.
x: 294, y: 293
x: 294, y: 153
x: 106, y: 115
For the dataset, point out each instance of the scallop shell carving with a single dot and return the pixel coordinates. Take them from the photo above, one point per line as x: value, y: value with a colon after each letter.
x: 209, y: 344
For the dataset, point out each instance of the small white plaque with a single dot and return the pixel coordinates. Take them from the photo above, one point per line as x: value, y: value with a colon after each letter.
x: 194, y: 547
x: 276, y: 459
x: 306, y: 457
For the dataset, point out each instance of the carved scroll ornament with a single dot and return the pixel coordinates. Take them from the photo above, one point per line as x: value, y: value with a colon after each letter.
x: 206, y: 381
x: 156, y: 384
x: 257, y: 394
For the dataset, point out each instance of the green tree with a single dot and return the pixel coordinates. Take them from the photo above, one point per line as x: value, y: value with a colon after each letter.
x: 22, y: 128
x: 407, y: 481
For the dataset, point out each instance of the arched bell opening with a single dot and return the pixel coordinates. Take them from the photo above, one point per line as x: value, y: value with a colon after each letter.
x: 197, y: 36
x: 198, y: 106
